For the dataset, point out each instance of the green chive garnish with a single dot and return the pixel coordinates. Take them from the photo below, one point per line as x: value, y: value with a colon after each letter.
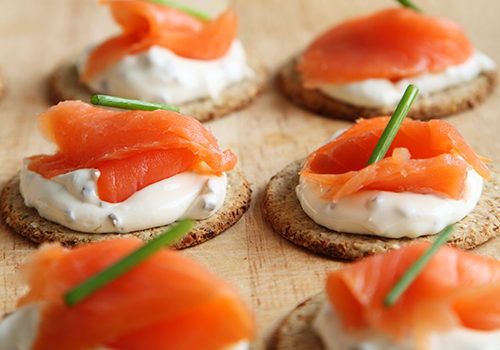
x: 126, y: 103
x: 392, y: 127
x: 190, y: 11
x: 417, y: 267
x: 114, y: 272
x: 407, y: 3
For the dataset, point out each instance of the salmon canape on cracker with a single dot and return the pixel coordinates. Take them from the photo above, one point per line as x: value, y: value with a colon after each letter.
x: 450, y: 305
x: 361, y: 67
x: 334, y: 203
x: 168, y: 54
x: 166, y: 302
x: 131, y: 173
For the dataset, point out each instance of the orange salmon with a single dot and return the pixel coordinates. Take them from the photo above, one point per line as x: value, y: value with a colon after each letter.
x: 455, y: 289
x: 145, y: 24
x: 421, y: 159
x: 168, y: 299
x: 391, y: 44
x: 131, y: 149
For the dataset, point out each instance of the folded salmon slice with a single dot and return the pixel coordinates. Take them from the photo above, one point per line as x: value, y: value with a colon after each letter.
x: 131, y: 149
x: 168, y: 298
x: 423, y: 158
x: 391, y: 44
x: 145, y: 24
x: 456, y: 289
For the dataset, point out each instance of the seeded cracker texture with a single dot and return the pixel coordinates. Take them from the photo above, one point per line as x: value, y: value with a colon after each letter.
x: 283, y: 211
x: 64, y: 84
x: 296, y: 332
x: 28, y: 223
x: 436, y: 105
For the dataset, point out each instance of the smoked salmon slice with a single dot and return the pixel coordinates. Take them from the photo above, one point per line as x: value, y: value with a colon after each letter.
x: 423, y: 158
x: 456, y: 289
x: 167, y: 299
x: 391, y: 44
x: 145, y: 24
x: 130, y: 149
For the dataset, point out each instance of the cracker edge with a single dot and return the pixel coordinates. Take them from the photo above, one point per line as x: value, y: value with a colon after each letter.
x: 295, y: 331
x: 27, y: 222
x: 63, y: 84
x: 283, y: 211
x: 437, y: 105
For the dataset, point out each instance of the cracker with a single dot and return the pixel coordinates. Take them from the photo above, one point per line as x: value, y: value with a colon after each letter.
x: 28, y: 223
x: 283, y: 211
x: 436, y: 105
x: 64, y: 84
x: 296, y: 332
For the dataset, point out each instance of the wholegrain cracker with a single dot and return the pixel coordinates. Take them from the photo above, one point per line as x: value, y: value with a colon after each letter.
x: 27, y: 222
x: 436, y: 105
x: 296, y: 332
x: 283, y: 211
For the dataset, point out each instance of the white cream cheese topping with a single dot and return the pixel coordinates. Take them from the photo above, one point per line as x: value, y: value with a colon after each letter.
x: 159, y: 75
x: 388, y: 214
x: 18, y: 330
x: 71, y: 200
x: 328, y: 326
x: 385, y: 93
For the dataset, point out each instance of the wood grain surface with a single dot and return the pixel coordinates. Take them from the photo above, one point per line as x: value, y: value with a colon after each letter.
x: 272, y: 274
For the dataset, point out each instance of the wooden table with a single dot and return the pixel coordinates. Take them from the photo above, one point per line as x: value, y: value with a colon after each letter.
x: 272, y: 274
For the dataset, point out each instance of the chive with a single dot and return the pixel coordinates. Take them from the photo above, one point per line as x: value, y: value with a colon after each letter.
x: 392, y: 127
x: 114, y: 272
x: 190, y: 11
x: 416, y: 268
x: 408, y: 3
x: 126, y: 103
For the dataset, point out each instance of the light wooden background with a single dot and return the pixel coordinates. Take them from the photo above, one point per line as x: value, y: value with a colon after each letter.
x: 272, y: 274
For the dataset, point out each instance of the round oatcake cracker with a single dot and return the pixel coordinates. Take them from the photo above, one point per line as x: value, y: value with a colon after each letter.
x: 283, y: 211
x: 27, y: 222
x: 64, y: 84
x: 436, y: 105
x: 296, y: 332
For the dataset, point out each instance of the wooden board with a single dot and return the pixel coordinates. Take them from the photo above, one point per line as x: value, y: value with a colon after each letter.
x: 272, y: 274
